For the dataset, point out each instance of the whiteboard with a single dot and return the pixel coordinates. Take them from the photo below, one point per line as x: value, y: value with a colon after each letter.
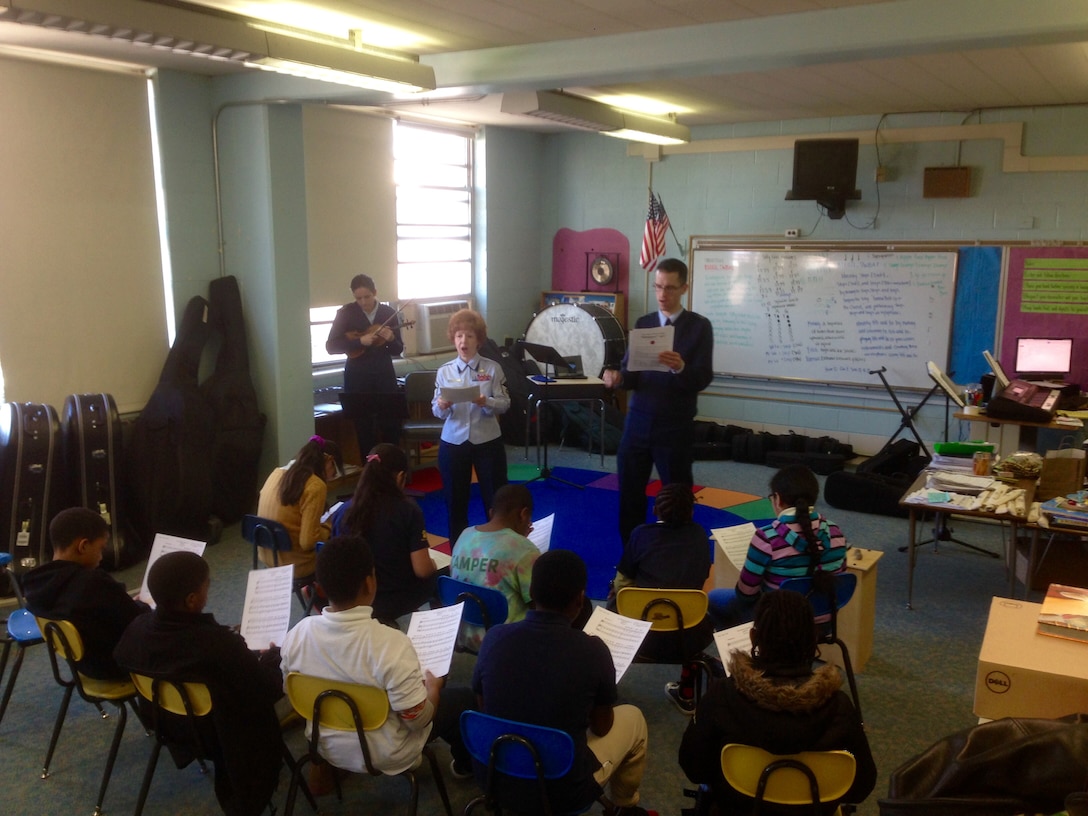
x: 826, y: 316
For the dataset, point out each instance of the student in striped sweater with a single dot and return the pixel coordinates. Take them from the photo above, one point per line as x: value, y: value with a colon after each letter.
x: 799, y: 542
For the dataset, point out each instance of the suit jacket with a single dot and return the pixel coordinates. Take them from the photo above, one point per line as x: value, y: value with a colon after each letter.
x: 372, y: 372
x: 663, y: 393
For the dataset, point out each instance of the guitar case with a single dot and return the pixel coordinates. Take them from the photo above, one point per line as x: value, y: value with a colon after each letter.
x: 229, y: 392
x: 93, y: 455
x: 170, y: 454
x: 31, y: 482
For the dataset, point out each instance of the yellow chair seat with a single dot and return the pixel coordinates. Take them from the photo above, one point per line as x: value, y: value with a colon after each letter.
x: 657, y: 606
x: 107, y: 689
x: 743, y: 766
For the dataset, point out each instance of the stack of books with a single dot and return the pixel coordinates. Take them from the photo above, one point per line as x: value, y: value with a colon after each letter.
x: 1067, y: 511
x: 1064, y: 613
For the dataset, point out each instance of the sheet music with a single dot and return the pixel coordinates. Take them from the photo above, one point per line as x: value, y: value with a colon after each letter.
x: 266, y: 615
x: 734, y: 541
x: 736, y: 637
x: 162, y: 545
x: 622, y: 635
x: 644, y: 345
x: 441, y: 560
x: 433, y: 633
x: 466, y: 393
x: 541, y: 534
x: 330, y: 511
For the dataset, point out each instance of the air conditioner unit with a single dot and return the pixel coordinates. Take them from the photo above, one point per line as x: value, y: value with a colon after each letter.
x: 432, y: 321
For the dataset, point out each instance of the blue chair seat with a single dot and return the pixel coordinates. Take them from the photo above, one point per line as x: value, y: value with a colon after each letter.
x: 520, y: 751
x: 270, y: 534
x: 484, y: 606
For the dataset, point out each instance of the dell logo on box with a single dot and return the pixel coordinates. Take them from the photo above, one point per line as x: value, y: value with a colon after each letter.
x: 998, y: 682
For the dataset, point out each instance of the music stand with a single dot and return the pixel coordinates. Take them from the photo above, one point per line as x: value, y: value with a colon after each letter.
x: 942, y: 531
x: 546, y: 356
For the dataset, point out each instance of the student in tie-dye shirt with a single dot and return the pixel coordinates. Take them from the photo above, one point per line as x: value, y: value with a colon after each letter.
x: 498, y: 555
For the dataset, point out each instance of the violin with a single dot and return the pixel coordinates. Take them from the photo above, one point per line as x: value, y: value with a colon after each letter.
x: 356, y: 335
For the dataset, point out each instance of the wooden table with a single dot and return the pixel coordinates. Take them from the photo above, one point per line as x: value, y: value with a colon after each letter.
x: 1028, y: 430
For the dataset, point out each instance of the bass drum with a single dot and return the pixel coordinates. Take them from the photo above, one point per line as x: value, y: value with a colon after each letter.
x: 585, y: 329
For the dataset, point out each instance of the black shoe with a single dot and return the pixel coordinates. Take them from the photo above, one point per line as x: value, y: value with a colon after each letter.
x: 685, y: 704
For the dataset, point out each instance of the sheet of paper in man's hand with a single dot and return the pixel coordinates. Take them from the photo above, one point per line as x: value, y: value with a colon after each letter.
x: 645, y: 345
x: 433, y: 633
x: 162, y: 545
x: 266, y: 615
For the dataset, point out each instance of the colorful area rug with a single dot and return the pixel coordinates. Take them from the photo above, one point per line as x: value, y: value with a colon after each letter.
x: 586, y: 519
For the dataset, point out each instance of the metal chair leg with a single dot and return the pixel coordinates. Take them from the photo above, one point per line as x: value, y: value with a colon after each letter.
x: 145, y: 786
x: 61, y: 714
x: 112, y: 757
x: 10, y: 687
x: 436, y: 772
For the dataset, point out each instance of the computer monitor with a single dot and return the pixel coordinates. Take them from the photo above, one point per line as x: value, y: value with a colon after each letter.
x: 1044, y: 356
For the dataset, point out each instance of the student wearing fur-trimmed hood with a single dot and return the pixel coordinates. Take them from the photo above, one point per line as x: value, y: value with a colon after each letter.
x: 773, y: 699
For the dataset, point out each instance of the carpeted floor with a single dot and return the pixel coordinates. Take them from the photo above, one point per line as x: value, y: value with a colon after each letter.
x: 917, y: 687
x: 586, y: 507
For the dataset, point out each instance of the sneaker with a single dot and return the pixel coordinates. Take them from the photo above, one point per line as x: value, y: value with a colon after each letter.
x: 685, y: 704
x: 459, y: 771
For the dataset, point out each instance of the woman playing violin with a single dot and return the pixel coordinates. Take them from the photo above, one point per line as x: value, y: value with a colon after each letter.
x: 368, y: 332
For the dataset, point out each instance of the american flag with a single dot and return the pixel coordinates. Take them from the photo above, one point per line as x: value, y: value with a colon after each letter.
x: 653, y: 237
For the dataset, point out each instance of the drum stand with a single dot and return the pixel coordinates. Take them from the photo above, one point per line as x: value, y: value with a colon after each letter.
x: 546, y: 356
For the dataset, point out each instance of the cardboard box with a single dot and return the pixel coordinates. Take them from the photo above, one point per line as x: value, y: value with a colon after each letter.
x: 1024, y: 674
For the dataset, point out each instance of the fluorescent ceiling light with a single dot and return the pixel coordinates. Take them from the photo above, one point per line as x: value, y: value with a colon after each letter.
x: 555, y: 106
x: 639, y: 128
x: 587, y: 114
x: 291, y: 55
x: 219, y: 36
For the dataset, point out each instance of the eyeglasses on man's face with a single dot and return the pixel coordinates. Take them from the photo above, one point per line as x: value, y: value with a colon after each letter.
x: 666, y: 287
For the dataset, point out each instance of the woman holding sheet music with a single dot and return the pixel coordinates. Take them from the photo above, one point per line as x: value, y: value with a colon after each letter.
x: 393, y: 526
x: 294, y: 496
x: 470, y: 394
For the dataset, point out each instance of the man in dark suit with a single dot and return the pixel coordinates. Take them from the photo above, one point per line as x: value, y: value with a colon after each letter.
x: 662, y: 405
x: 368, y: 332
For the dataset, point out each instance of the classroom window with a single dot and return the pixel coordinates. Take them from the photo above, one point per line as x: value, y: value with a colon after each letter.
x: 321, y: 318
x: 433, y: 175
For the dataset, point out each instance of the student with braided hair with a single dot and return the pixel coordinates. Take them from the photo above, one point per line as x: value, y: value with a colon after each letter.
x: 674, y: 553
x: 799, y: 542
x: 392, y: 524
x: 294, y: 495
x: 774, y: 700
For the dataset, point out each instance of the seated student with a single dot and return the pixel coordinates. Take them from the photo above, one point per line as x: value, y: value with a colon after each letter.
x: 498, y: 555
x: 72, y: 588
x: 347, y: 644
x: 799, y: 542
x: 295, y: 497
x: 392, y: 523
x: 180, y: 641
x: 775, y: 701
x: 543, y: 671
x: 674, y: 553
